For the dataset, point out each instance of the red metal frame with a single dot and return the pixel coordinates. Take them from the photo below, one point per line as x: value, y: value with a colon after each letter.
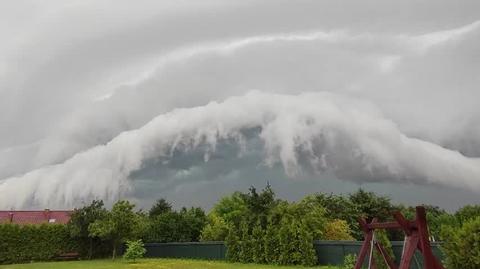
x: 416, y: 232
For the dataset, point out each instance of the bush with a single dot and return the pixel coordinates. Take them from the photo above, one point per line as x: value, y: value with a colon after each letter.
x: 287, y: 238
x: 349, y: 261
x: 19, y: 244
x: 462, y: 245
x: 215, y: 230
x: 135, y: 250
x: 337, y: 230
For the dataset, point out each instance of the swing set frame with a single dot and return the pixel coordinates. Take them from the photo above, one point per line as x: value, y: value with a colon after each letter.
x: 416, y: 238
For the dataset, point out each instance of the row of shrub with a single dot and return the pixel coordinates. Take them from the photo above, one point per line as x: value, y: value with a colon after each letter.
x: 33, y: 242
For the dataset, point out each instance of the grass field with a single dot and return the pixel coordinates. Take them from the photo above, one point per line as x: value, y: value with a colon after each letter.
x: 147, y: 264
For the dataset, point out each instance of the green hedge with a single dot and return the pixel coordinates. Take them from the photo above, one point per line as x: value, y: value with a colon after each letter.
x: 19, y: 244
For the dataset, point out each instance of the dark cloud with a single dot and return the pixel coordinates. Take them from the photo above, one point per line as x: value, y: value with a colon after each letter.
x: 75, y: 76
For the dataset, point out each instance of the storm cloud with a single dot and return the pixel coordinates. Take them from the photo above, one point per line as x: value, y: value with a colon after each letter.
x: 94, y: 95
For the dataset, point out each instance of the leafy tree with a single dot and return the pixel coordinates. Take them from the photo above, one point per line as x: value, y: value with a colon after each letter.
x: 338, y: 207
x: 193, y: 222
x: 230, y: 211
x: 135, y: 250
x: 120, y: 224
x: 358, y: 204
x: 161, y: 206
x: 467, y: 213
x: 259, y: 202
x: 173, y: 226
x: 215, y: 230
x: 231, y: 208
x: 166, y: 228
x: 370, y: 205
x: 462, y: 245
x: 80, y: 221
x: 337, y: 230
x: 274, y: 231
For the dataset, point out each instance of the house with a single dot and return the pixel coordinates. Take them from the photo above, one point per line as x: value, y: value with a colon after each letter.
x: 35, y: 217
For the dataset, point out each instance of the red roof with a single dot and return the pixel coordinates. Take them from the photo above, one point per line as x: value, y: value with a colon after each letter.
x: 35, y: 217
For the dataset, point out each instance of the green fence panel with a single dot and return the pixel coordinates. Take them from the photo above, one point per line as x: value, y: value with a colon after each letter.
x: 190, y: 250
x: 328, y: 252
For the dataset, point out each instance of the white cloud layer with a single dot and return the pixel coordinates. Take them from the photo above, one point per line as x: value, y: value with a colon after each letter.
x: 74, y: 77
x: 330, y: 132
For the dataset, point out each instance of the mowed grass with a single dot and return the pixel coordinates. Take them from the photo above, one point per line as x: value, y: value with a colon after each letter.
x: 149, y: 263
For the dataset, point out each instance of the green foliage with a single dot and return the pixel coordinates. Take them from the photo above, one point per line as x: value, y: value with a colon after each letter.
x: 467, y: 213
x: 194, y: 220
x: 274, y: 231
x: 349, y: 261
x: 231, y: 208
x: 246, y: 253
x: 89, y: 246
x: 271, y: 244
x: 358, y: 204
x: 340, y: 207
x: 119, y: 224
x: 382, y: 238
x: 436, y: 217
x: 161, y: 206
x: 173, y: 226
x: 257, y: 244
x: 337, y: 230
x: 135, y: 250
x: 462, y: 245
x: 233, y: 246
x: 19, y: 244
x: 215, y: 230
x: 371, y: 205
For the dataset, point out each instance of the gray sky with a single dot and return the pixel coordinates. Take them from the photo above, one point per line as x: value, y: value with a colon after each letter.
x: 194, y: 99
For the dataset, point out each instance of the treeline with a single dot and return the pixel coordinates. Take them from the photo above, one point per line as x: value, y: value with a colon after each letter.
x: 256, y: 226
x: 98, y: 230
x: 259, y: 227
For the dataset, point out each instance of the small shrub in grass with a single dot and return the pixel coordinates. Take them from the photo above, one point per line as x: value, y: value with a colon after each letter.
x: 349, y: 261
x: 135, y: 250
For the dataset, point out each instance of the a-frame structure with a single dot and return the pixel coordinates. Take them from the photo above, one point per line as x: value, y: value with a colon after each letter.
x: 417, y: 238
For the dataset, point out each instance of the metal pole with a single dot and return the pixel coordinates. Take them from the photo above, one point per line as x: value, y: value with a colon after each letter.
x: 404, y: 243
x: 371, y: 251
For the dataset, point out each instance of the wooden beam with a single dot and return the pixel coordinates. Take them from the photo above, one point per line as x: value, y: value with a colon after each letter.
x: 406, y: 225
x: 411, y: 244
x: 364, y: 250
x: 388, y: 260
x: 384, y: 225
x: 428, y: 258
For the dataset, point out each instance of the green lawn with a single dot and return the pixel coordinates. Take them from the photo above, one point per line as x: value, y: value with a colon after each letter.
x: 148, y: 263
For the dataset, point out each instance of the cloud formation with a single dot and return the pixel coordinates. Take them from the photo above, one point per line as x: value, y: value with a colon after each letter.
x: 75, y: 78
x: 323, y: 131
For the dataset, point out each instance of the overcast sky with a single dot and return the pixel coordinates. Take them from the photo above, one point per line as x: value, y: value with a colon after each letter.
x: 191, y: 100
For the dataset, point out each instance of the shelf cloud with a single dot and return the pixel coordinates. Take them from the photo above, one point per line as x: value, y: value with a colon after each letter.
x: 95, y: 95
